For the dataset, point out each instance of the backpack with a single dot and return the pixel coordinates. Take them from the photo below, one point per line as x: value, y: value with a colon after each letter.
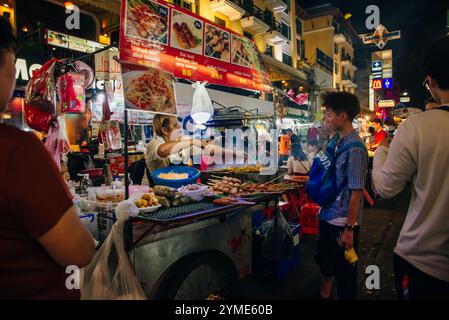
x: 322, y: 186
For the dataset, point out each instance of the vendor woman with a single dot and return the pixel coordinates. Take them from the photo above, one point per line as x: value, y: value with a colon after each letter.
x: 166, y: 142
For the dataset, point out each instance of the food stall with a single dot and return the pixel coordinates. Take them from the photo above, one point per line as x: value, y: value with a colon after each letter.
x: 190, y: 222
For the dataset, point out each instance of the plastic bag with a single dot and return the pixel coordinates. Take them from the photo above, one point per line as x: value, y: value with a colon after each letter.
x: 40, y: 91
x: 103, y: 280
x: 109, y: 135
x: 52, y: 144
x: 202, y: 108
x: 72, y: 92
x: 278, y: 241
x: 38, y: 119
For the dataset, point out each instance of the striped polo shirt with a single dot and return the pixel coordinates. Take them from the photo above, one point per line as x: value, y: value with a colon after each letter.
x: 351, y: 166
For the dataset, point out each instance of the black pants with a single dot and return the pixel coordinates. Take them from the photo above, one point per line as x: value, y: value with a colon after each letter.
x: 421, y: 286
x: 331, y: 259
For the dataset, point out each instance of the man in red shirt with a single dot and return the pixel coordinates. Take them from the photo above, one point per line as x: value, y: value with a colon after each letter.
x: 40, y: 230
x: 379, y: 133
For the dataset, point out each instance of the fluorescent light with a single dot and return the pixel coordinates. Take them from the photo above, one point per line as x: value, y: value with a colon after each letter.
x: 69, y: 5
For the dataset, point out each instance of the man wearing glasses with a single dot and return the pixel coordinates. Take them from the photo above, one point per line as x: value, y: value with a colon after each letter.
x: 419, y: 154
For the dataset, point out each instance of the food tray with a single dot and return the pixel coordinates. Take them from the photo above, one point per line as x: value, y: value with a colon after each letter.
x: 190, y: 211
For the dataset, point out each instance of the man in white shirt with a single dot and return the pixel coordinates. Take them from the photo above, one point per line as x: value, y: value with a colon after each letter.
x: 419, y: 153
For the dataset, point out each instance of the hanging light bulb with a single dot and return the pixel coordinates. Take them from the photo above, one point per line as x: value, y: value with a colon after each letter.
x: 202, y: 109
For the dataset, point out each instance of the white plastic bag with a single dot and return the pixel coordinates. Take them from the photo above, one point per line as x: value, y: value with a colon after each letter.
x: 109, y: 276
x: 202, y: 108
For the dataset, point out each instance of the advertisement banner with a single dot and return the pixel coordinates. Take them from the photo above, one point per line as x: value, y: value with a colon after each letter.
x: 160, y: 35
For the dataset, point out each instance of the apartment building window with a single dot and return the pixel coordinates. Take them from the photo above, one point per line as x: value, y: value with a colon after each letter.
x: 287, y: 59
x: 285, y: 30
x: 301, y: 49
x: 335, y: 48
x: 299, y: 27
x: 343, y: 54
x: 287, y: 2
x: 183, y: 4
x: 336, y: 67
x: 220, y: 22
x: 269, y: 50
x: 248, y: 35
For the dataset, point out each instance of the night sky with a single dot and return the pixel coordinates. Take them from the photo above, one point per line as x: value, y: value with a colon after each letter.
x: 421, y: 22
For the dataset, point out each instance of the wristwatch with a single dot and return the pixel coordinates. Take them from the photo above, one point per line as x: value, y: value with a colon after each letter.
x: 349, y: 227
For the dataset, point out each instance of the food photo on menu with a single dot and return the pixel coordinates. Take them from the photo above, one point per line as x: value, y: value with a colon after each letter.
x: 217, y: 44
x: 148, y: 89
x: 147, y: 21
x: 187, y: 33
x: 244, y: 53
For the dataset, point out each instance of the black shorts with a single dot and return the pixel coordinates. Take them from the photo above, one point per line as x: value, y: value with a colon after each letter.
x: 331, y: 260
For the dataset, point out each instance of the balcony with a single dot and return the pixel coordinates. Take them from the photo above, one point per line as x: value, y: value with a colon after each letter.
x: 339, y: 38
x: 277, y: 6
x: 324, y: 61
x: 278, y: 35
x: 347, y: 62
x: 348, y: 81
x: 255, y: 21
x: 233, y: 9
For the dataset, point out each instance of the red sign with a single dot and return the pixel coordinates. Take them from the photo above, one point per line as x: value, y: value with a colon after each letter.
x: 377, y: 84
x: 160, y: 35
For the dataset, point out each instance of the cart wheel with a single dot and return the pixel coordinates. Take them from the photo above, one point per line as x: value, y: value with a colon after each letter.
x: 200, y: 277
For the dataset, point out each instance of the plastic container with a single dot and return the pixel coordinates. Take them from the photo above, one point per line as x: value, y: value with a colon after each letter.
x: 195, y: 195
x: 193, y: 173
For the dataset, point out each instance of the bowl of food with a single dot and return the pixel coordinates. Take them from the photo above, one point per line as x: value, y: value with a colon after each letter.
x: 147, y: 203
x: 193, y: 191
x: 175, y: 177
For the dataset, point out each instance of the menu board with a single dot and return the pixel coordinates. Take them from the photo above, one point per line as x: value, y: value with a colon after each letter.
x: 148, y: 89
x: 160, y: 35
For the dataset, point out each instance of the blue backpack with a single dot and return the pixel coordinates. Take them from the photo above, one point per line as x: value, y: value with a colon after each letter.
x: 322, y: 186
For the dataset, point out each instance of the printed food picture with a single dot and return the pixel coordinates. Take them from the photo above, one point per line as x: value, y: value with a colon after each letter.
x: 147, y: 20
x: 244, y: 53
x: 149, y: 89
x: 58, y: 39
x: 187, y: 33
x: 217, y: 43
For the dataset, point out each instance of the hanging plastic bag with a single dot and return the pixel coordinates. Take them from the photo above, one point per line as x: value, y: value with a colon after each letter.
x: 202, y: 108
x: 103, y: 280
x: 38, y: 119
x: 278, y: 241
x: 40, y: 90
x: 109, y: 135
x: 52, y: 144
x: 72, y: 92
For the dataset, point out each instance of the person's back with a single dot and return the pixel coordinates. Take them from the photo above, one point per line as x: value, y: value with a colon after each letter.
x: 424, y: 239
x: 419, y: 154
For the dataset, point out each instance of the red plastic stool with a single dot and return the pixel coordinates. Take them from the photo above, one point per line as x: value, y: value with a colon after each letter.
x: 308, y: 218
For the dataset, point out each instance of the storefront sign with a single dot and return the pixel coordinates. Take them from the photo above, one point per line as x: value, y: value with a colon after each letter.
x: 386, y: 103
x: 387, y: 73
x: 405, y: 99
x: 377, y: 84
x: 62, y: 40
x: 377, y: 75
x: 160, y: 35
x: 387, y: 83
x: 376, y: 65
x: 24, y: 70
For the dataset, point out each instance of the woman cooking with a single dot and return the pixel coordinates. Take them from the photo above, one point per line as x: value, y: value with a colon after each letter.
x: 166, y: 142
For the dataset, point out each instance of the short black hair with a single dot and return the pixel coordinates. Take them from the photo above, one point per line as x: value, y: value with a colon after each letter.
x: 371, y: 130
x: 342, y: 102
x: 313, y: 143
x: 289, y: 130
x: 377, y: 120
x: 8, y: 39
x: 436, y: 62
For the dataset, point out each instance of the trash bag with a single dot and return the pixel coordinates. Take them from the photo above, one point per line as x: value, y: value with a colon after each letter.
x: 278, y: 241
x: 110, y: 276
